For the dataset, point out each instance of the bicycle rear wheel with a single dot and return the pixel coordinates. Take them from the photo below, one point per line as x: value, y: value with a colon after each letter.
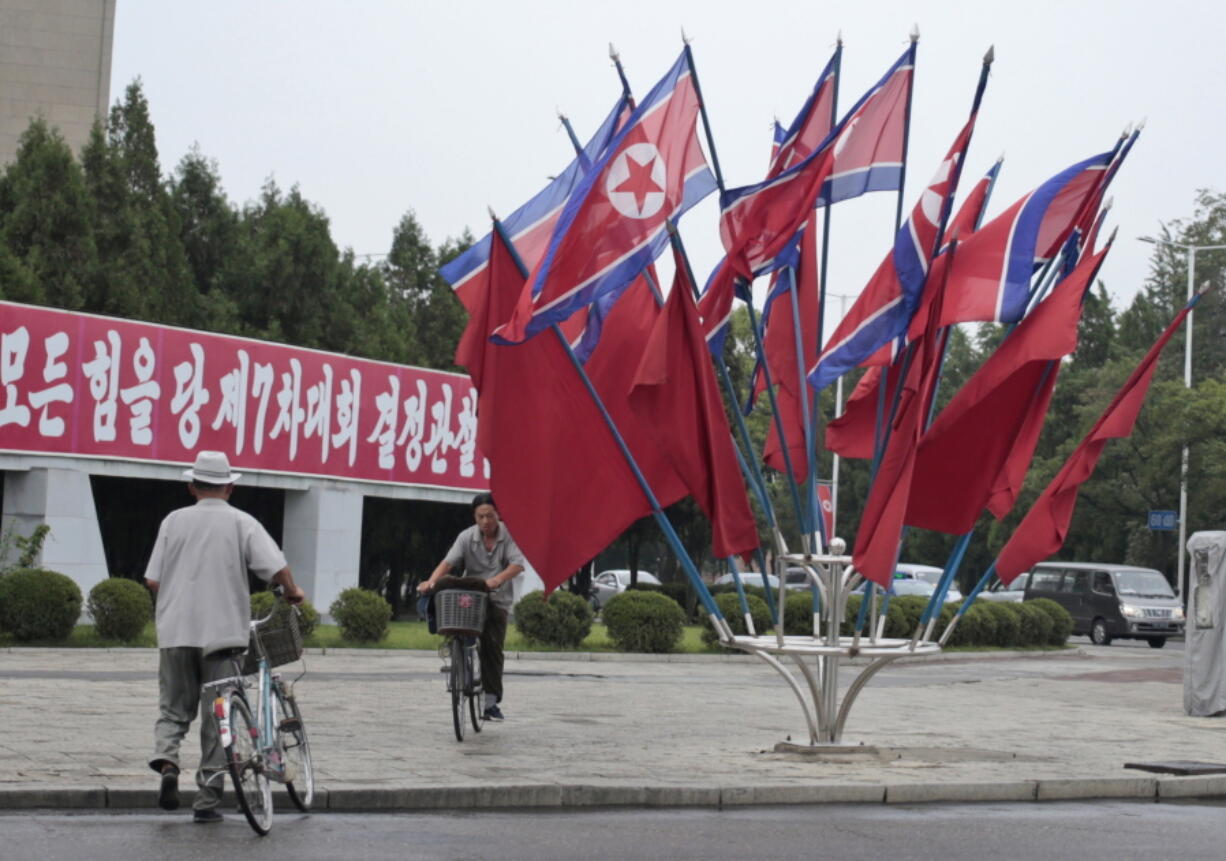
x: 251, y: 784
x: 476, y: 696
x: 457, y: 687
x: 292, y: 739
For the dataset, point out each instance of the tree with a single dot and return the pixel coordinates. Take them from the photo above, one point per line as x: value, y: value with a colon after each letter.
x: 143, y: 271
x: 209, y: 233
x: 47, y: 252
x: 411, y: 272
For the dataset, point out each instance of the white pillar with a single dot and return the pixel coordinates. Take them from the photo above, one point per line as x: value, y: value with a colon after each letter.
x: 322, y: 540
x: 64, y: 500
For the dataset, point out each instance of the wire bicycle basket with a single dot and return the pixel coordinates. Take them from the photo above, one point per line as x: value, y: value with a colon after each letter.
x: 279, y: 637
x: 460, y: 612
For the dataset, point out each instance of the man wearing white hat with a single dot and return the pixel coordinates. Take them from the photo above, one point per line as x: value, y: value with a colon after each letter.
x: 198, y: 571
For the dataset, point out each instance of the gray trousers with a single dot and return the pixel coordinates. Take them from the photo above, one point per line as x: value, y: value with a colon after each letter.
x: 181, y: 672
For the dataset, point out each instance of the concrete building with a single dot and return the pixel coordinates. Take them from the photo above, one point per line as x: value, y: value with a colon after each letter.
x: 55, y: 60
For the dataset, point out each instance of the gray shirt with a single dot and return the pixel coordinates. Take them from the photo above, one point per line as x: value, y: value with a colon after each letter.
x: 200, y: 562
x: 469, y: 548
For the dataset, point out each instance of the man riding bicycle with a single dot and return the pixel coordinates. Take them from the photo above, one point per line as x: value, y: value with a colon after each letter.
x: 488, y: 553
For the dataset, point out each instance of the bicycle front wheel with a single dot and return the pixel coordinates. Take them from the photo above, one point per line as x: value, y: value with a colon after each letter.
x: 457, y: 687
x: 476, y: 695
x: 292, y: 739
x: 243, y: 757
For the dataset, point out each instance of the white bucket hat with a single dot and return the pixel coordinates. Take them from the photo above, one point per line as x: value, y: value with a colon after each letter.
x: 212, y: 467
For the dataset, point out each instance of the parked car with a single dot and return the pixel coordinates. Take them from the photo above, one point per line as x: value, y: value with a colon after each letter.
x: 1108, y: 601
x: 606, y: 584
x: 906, y: 586
x: 797, y: 578
x: 929, y: 574
x: 1011, y: 594
x: 748, y: 578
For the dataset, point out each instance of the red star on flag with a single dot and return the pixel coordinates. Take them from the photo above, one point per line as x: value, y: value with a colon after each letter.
x: 639, y: 182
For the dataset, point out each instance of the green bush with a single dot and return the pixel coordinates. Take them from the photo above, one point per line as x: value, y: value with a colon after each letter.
x: 1036, y: 627
x: 640, y: 621
x: 121, y: 608
x: 910, y: 608
x: 263, y: 602
x: 36, y: 604
x: 730, y: 607
x: 1007, y: 621
x: 1062, y: 622
x: 798, y: 613
x: 977, y: 627
x: 362, y: 615
x: 562, y: 619
x: 679, y: 592
x: 895, y: 618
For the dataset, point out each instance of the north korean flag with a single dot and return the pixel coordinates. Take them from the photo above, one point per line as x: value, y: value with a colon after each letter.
x: 885, y: 307
x: 614, y: 222
x: 530, y: 226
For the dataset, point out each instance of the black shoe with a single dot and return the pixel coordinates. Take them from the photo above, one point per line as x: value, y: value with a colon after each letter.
x: 208, y: 814
x: 168, y: 793
x: 494, y: 713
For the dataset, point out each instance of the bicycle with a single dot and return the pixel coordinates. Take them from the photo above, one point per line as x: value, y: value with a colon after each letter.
x: 460, y: 616
x: 267, y: 743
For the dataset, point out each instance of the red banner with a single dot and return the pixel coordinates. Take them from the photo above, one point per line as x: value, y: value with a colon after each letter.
x: 77, y: 384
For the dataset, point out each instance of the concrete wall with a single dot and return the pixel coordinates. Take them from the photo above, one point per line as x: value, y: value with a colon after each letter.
x: 55, y: 60
x: 321, y: 533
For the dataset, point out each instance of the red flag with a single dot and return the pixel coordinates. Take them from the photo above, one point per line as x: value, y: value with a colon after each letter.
x: 970, y: 214
x: 779, y: 345
x: 547, y: 443
x: 876, y: 549
x: 852, y: 434
x: 981, y: 445
x: 1044, y: 528
x: 675, y: 394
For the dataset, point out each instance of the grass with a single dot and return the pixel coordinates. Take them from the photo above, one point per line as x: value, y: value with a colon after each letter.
x: 414, y: 635
x: 400, y: 635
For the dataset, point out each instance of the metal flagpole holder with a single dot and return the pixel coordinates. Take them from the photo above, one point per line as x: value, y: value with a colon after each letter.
x: 834, y: 579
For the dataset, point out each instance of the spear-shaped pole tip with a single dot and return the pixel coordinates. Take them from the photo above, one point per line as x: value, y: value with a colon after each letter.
x: 914, y: 34
x: 990, y: 56
x: 1205, y: 287
x: 493, y: 215
x: 1108, y: 203
x: 838, y: 38
x: 1000, y: 159
x: 1141, y: 124
x: 1111, y: 238
x: 1127, y: 130
x: 684, y: 38
x: 613, y: 53
x: 561, y: 116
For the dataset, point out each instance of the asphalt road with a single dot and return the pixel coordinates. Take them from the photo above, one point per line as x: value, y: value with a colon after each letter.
x: 1099, y: 831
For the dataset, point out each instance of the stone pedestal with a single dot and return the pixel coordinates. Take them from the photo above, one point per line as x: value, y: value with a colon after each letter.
x: 63, y: 499
x: 322, y: 540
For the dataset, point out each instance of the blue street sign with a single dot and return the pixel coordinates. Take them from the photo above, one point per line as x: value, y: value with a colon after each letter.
x: 1163, y: 520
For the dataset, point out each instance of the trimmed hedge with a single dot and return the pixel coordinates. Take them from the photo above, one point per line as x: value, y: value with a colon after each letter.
x: 1062, y: 622
x: 121, y: 608
x: 263, y: 602
x: 1007, y: 622
x: 562, y: 619
x: 730, y: 607
x: 36, y: 604
x: 639, y: 621
x: 362, y: 615
x: 798, y: 613
x: 676, y: 591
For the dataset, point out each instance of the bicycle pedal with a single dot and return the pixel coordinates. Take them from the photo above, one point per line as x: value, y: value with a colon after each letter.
x: 290, y: 725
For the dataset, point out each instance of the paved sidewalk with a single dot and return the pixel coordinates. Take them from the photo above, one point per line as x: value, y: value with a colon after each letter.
x: 626, y: 730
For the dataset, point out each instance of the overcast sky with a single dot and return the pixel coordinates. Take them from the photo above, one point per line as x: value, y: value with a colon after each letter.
x: 377, y: 107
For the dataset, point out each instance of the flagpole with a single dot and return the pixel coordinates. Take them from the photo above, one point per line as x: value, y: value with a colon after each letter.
x: 702, y: 107
x: 906, y: 132
x: 670, y: 535
x: 814, y: 412
x: 753, y: 323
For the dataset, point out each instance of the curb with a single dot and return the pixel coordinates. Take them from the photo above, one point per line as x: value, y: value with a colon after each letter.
x: 385, y: 799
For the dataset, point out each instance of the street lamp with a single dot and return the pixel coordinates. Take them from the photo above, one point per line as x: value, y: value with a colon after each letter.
x: 1187, y: 382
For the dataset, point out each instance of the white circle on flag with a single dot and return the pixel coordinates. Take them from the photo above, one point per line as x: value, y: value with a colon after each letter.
x: 827, y: 505
x: 636, y: 181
